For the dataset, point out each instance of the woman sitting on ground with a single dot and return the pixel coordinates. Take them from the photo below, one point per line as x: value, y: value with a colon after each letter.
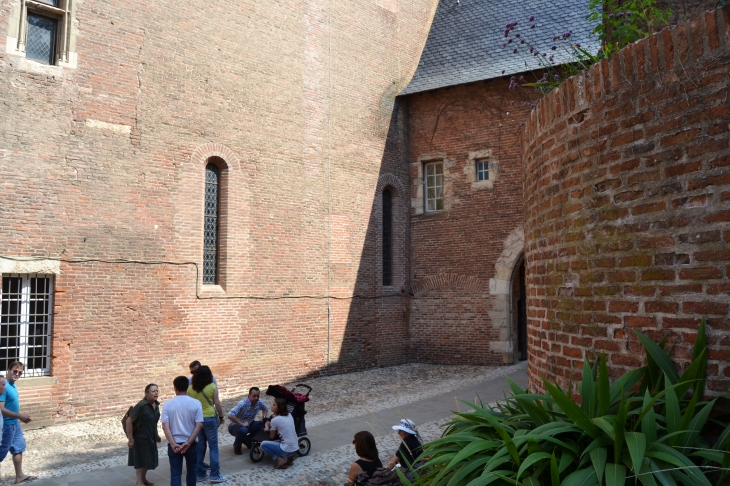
x: 369, y: 461
x: 284, y: 452
x: 410, y: 447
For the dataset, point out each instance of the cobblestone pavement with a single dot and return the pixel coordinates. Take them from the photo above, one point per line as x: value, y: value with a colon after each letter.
x: 94, y: 452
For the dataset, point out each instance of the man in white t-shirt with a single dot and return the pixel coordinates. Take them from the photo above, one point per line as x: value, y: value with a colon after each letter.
x: 283, y: 452
x: 182, y: 421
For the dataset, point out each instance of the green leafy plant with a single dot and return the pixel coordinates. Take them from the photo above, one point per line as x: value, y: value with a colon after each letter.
x: 622, y: 22
x: 650, y: 426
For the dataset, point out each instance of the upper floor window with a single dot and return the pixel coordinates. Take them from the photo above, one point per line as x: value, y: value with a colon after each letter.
x: 482, y: 168
x: 25, y: 322
x: 434, y: 183
x: 41, y: 30
x: 210, y: 230
x: 387, y: 237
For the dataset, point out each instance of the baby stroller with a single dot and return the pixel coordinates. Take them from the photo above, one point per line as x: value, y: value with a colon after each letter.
x: 295, y: 404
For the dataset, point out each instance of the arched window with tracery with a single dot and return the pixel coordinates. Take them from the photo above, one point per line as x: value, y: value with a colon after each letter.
x: 210, y: 229
x: 387, y: 237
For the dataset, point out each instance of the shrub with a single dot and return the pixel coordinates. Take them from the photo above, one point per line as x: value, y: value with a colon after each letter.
x: 622, y: 22
x: 650, y: 426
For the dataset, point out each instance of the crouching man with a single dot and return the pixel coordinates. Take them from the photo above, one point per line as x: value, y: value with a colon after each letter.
x: 242, y: 418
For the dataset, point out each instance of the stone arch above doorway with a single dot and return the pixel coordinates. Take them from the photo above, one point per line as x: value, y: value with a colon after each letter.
x: 500, y: 289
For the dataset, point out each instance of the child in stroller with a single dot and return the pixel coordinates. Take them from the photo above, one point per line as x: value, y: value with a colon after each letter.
x: 295, y: 405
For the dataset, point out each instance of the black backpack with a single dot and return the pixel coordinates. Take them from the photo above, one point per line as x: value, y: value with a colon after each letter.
x: 381, y: 477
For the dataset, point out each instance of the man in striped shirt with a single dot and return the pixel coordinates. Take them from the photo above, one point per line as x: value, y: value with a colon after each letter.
x: 243, y: 418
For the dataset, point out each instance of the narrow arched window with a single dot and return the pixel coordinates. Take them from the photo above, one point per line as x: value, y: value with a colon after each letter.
x: 210, y: 230
x: 387, y: 238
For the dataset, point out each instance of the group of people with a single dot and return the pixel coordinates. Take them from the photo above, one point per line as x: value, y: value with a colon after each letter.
x: 190, y: 422
x: 13, y: 440
x: 368, y: 464
x: 191, y: 419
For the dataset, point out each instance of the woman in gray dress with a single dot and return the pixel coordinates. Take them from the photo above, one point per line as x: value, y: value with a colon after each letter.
x: 142, y: 434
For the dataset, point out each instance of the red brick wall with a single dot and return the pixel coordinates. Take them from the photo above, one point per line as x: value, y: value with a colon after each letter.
x: 302, y: 135
x: 454, y: 252
x: 627, y: 197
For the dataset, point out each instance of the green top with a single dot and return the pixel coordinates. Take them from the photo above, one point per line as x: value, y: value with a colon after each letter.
x: 209, y: 392
x: 147, y: 416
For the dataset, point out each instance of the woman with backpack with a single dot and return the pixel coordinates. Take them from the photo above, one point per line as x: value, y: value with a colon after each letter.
x: 206, y: 392
x: 141, y: 429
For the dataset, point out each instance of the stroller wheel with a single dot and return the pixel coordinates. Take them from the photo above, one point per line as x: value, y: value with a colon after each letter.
x: 257, y: 453
x: 304, y: 446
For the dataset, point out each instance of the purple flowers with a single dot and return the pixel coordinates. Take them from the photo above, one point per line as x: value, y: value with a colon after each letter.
x: 619, y: 15
x: 512, y: 83
x: 532, y: 17
x: 554, y: 47
x: 567, y: 34
x: 509, y: 27
x: 532, y: 26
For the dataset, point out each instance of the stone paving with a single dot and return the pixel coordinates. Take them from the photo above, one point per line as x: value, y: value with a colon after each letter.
x: 330, y: 433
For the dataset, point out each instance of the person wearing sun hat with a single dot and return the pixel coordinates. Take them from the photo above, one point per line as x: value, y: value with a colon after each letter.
x: 410, y: 447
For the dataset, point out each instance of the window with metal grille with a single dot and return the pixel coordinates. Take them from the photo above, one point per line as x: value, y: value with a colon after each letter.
x: 387, y: 237
x: 25, y: 322
x: 434, y: 182
x: 482, y: 170
x: 40, y: 42
x: 210, y: 230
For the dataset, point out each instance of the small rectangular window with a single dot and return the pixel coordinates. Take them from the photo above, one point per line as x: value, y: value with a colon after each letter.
x: 25, y: 322
x: 482, y: 170
x: 434, y: 182
x: 41, y: 39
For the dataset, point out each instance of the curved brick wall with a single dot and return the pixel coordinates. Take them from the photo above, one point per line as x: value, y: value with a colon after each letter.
x: 627, y: 199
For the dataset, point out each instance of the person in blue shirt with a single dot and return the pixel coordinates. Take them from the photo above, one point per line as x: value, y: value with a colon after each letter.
x: 13, y: 440
x: 242, y: 418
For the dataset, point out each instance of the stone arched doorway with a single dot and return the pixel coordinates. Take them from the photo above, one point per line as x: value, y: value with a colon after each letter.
x: 504, y: 313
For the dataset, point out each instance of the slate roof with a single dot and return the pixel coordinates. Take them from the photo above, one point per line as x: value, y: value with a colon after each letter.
x: 465, y: 41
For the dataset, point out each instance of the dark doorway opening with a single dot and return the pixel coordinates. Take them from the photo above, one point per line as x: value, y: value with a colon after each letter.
x: 521, y: 313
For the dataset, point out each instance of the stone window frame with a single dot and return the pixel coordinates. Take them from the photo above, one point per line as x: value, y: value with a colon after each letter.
x: 25, y: 321
x: 436, y: 186
x: 470, y: 169
x: 418, y: 203
x: 65, y: 54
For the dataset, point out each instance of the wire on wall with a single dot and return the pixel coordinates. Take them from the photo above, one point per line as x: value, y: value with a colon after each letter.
x: 122, y: 261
